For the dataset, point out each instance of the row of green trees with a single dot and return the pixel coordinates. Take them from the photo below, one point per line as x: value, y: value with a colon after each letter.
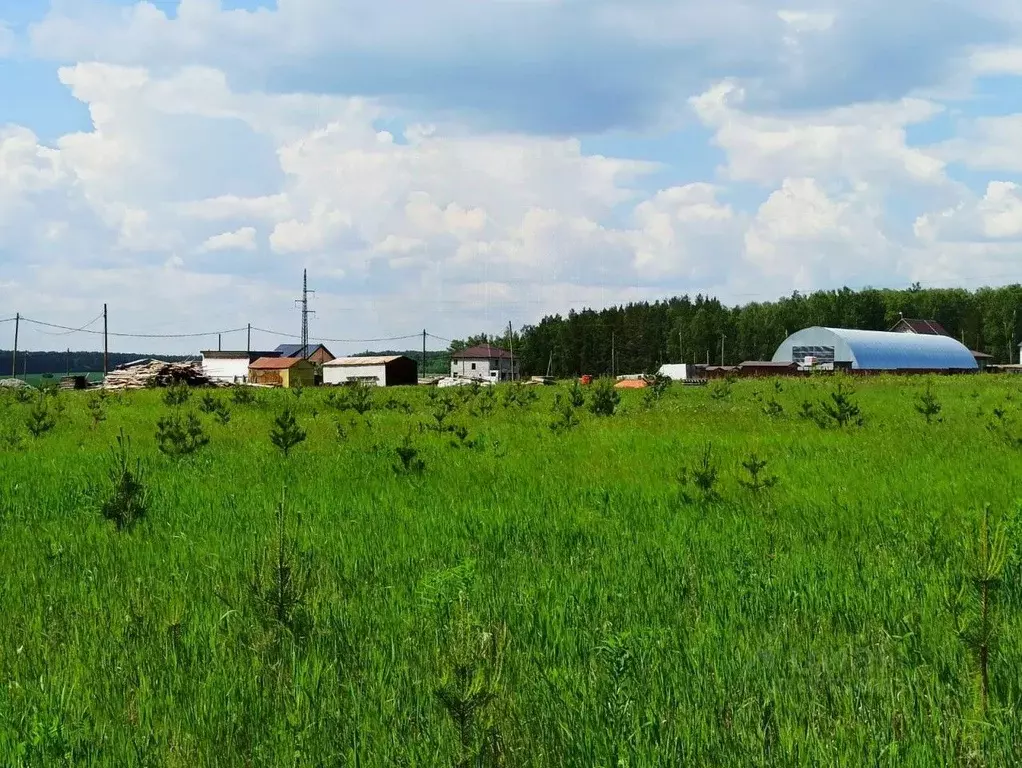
x: 641, y: 336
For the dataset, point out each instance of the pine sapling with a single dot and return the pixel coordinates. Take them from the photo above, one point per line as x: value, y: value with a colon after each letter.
x: 840, y: 409
x: 604, y: 399
x: 756, y: 480
x: 703, y: 476
x: 657, y: 386
x: 286, y: 432
x: 278, y: 585
x: 576, y: 395
x: 928, y: 406
x: 721, y: 389
x: 360, y: 398
x: 242, y: 395
x: 443, y: 407
x: 128, y: 501
x: 97, y: 411
x: 982, y: 635
x: 564, y: 415
x: 178, y: 435
x: 469, y: 684
x: 176, y: 395
x: 40, y: 419
x: 409, y: 462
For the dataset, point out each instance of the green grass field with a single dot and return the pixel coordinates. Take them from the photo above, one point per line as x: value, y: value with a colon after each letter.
x: 532, y: 597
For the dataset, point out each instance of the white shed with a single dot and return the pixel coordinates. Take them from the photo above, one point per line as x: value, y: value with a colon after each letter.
x: 230, y: 366
x: 678, y: 371
x: 390, y: 371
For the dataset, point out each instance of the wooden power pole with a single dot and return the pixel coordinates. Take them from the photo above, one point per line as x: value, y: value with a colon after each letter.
x: 14, y: 354
x: 106, y: 346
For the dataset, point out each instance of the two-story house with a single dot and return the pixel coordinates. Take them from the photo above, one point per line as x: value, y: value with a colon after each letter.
x: 484, y: 362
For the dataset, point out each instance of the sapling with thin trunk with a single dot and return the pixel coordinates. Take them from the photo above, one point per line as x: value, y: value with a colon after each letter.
x: 757, y: 479
x: 928, y: 406
x: 178, y: 435
x: 982, y: 634
x: 97, y: 411
x: 286, y: 432
x: 40, y: 419
x: 128, y: 501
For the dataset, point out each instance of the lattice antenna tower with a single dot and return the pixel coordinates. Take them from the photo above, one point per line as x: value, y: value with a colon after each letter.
x: 303, y: 303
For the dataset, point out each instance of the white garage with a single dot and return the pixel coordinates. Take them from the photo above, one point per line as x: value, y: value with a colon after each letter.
x: 390, y: 371
x: 230, y: 366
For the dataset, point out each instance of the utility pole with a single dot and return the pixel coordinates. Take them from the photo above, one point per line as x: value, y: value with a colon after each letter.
x: 304, y: 303
x: 14, y: 354
x: 68, y: 362
x: 613, y: 354
x: 248, y: 341
x: 722, y: 337
x: 1011, y: 351
x: 219, y: 342
x: 423, y: 351
x: 511, y: 346
x: 106, y: 346
x: 681, y: 347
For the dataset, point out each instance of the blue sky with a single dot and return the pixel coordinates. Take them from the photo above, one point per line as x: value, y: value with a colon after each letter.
x: 457, y: 164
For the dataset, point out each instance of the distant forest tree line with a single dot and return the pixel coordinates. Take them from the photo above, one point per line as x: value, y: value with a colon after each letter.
x: 31, y: 363
x: 642, y: 335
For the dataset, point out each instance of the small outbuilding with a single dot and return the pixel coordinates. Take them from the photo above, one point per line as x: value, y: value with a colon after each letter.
x: 845, y: 348
x: 389, y: 371
x: 282, y: 372
x: 229, y: 366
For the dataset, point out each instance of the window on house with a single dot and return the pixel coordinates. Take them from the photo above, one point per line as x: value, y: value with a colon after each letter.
x: 473, y: 366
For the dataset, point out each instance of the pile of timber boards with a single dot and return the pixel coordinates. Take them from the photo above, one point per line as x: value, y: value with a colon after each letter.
x: 158, y: 373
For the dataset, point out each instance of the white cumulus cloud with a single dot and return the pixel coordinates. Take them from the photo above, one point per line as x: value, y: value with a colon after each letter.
x: 243, y: 239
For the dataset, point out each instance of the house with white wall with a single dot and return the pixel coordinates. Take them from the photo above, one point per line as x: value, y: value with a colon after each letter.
x: 484, y: 362
x: 230, y: 366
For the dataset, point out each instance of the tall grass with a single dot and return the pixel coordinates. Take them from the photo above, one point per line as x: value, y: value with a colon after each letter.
x: 531, y: 597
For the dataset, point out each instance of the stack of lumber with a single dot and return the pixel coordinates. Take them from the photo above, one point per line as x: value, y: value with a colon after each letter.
x: 157, y: 373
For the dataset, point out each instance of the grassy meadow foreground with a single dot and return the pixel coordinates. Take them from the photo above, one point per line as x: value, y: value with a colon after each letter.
x: 447, y: 578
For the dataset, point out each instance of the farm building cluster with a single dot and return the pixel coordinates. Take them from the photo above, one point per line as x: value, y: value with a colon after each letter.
x: 911, y: 346
x: 292, y: 365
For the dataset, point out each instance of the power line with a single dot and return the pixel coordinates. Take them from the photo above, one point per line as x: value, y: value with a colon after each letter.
x: 339, y: 341
x: 135, y: 335
x: 68, y: 332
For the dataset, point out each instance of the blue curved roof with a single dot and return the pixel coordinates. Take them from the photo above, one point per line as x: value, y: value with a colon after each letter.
x: 883, y: 350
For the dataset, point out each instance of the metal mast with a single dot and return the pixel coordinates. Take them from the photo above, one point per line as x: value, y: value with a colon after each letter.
x: 304, y: 303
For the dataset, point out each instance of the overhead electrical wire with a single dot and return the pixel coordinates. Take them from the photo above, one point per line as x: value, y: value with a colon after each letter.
x: 72, y: 330
x: 136, y: 335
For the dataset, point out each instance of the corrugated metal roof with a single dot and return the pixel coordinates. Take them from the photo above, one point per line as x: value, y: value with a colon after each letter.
x: 276, y: 363
x: 482, y: 352
x: 883, y: 350
x: 350, y: 361
x: 216, y: 354
x: 927, y: 327
x: 297, y: 350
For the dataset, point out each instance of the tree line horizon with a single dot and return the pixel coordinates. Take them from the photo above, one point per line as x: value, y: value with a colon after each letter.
x: 640, y: 336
